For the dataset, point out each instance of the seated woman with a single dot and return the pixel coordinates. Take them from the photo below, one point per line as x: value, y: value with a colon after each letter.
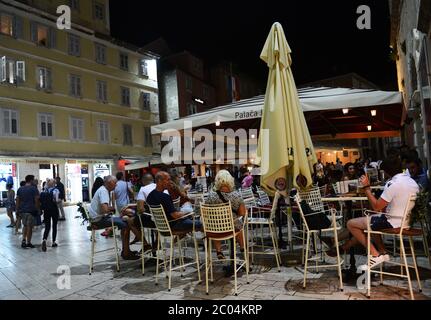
x: 223, y: 192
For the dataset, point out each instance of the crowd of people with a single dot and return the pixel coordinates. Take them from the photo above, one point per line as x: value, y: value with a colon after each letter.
x: 30, y: 205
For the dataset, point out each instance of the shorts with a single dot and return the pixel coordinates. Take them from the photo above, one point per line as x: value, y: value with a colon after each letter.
x: 380, y: 223
x: 106, y: 222
x: 27, y: 219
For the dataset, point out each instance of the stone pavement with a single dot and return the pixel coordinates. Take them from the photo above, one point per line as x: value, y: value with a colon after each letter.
x: 33, y: 274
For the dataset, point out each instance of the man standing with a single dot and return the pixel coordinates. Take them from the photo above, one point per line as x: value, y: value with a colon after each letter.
x: 27, y: 205
x: 100, y: 213
x: 61, y: 198
x: 121, y: 192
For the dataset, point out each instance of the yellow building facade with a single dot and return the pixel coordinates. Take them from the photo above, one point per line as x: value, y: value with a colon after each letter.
x: 72, y: 102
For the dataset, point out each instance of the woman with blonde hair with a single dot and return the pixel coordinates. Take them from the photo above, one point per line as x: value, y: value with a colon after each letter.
x: 223, y: 192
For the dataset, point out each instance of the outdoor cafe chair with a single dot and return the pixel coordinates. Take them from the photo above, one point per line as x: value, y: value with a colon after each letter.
x: 263, y: 198
x: 270, y: 223
x: 403, y: 232
x: 166, y: 233
x: 218, y: 222
x: 177, y: 202
x: 247, y: 193
x: 334, y: 228
x: 93, y: 228
x: 150, y: 232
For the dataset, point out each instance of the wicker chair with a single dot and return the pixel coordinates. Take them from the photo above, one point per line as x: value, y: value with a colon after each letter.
x: 219, y: 225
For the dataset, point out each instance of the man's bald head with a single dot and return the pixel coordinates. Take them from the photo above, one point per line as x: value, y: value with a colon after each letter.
x: 147, y: 179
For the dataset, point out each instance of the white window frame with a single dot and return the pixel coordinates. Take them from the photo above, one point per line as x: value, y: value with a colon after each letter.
x: 47, y: 118
x: 79, y: 124
x: 47, y: 78
x: 73, y: 45
x: 143, y: 68
x: 103, y: 132
x: 123, y: 102
x: 145, y: 101
x: 12, y: 115
x: 11, y: 71
x: 75, y: 86
x: 102, y: 91
x: 125, y: 143
x: 101, y: 51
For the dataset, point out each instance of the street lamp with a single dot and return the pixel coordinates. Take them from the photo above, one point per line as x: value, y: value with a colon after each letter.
x: 373, y: 113
x: 345, y: 111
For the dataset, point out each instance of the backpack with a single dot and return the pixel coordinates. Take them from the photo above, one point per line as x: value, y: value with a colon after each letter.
x: 47, y: 201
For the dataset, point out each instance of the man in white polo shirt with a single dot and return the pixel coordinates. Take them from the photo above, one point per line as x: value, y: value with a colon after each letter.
x: 394, y: 198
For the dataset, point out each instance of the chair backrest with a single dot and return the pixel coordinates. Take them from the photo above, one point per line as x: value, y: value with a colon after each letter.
x: 217, y: 218
x: 298, y: 200
x: 263, y: 198
x: 313, y: 198
x: 405, y: 223
x: 177, y: 202
x: 323, y: 190
x: 274, y: 205
x: 87, y: 214
x: 250, y: 203
x: 160, y: 219
x: 247, y: 193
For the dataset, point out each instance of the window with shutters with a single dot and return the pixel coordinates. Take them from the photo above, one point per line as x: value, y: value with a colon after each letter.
x: 44, y: 79
x: 127, y: 135
x: 103, y: 132
x: 11, y: 71
x: 76, y: 129
x: 99, y: 11
x: 145, y: 101
x: 74, y: 45
x: 75, y: 86
x: 8, y: 122
x: 125, y: 96
x: 43, y: 35
x: 148, y: 140
x: 124, y: 61
x: 6, y: 24
x: 46, y: 125
x: 100, y: 53
x: 102, y: 91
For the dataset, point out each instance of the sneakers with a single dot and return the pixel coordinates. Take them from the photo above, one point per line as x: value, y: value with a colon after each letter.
x: 375, y: 261
x: 23, y: 244
x: 44, y: 246
x: 331, y: 260
x: 29, y: 245
x: 54, y: 245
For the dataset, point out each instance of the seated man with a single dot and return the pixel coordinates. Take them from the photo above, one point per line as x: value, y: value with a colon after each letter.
x: 158, y: 197
x: 100, y: 211
x: 394, y: 198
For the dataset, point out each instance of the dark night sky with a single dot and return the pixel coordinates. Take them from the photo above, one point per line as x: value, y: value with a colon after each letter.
x: 322, y: 34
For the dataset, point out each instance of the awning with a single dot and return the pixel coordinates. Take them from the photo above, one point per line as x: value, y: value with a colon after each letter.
x: 312, y: 99
x: 145, y: 163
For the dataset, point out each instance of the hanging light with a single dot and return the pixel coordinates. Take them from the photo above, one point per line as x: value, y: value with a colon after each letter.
x: 373, y: 113
x: 253, y: 136
x: 217, y: 123
x: 345, y: 111
x: 369, y: 128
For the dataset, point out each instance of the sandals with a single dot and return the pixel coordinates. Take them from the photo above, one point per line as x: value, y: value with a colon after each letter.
x: 220, y: 256
x: 132, y: 256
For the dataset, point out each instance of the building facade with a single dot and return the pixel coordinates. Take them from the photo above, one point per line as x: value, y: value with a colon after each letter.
x: 73, y: 103
x: 411, y: 44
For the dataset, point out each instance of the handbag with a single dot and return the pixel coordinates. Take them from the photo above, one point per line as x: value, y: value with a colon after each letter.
x: 315, y: 220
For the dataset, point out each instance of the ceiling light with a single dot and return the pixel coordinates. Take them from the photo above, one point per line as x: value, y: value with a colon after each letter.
x: 345, y: 111
x: 369, y: 128
x: 373, y: 113
x: 217, y: 123
x: 253, y: 136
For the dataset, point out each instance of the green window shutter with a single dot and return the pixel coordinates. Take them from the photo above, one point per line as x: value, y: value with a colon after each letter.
x: 18, y: 27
